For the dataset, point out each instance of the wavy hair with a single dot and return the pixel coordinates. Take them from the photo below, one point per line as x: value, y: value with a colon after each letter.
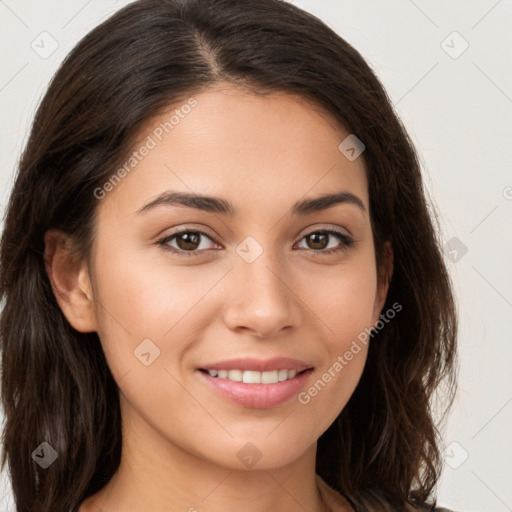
x: 383, y: 450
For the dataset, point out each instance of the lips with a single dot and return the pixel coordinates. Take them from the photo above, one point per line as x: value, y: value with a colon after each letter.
x: 254, y: 394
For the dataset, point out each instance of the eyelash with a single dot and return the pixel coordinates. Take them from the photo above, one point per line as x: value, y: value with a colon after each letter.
x: 347, y: 242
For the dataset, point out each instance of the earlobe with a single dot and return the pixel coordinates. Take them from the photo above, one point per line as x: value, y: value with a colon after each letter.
x: 70, y: 281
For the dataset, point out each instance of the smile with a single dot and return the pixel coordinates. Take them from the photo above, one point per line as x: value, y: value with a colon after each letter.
x: 254, y: 389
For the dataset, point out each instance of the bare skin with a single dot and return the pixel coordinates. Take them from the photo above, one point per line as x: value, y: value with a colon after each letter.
x: 180, y: 439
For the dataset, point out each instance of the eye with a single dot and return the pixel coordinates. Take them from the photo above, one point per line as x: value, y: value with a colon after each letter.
x: 188, y: 241
x: 320, y: 241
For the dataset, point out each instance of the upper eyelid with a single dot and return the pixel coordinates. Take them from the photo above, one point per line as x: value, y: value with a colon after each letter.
x: 308, y: 229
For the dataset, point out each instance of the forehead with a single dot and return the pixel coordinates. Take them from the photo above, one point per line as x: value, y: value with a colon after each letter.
x: 257, y: 148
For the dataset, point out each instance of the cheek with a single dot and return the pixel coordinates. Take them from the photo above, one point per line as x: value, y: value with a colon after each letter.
x: 344, y: 351
x: 343, y: 304
x: 342, y: 297
x: 141, y: 295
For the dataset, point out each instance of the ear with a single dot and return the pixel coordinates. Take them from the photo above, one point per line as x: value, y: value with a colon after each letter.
x: 70, y: 281
x: 384, y: 280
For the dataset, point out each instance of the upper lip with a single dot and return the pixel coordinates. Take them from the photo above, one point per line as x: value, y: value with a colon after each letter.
x: 260, y: 365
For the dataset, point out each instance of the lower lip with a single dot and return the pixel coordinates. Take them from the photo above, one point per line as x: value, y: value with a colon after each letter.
x: 257, y: 396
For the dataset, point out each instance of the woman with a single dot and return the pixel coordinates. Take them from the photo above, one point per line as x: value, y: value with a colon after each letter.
x: 223, y: 288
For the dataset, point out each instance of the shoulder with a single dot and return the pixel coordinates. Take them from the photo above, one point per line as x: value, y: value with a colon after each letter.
x: 426, y: 508
x: 337, y: 502
x: 443, y: 509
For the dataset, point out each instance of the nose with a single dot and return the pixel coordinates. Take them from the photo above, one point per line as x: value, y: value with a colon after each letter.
x: 262, y: 299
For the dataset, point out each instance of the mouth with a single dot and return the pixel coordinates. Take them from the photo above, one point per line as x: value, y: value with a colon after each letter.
x: 254, y: 389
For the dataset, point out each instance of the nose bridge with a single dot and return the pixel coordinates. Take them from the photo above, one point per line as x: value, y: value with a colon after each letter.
x: 261, y: 298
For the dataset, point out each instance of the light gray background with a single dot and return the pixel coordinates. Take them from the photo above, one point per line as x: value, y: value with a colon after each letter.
x: 458, y: 110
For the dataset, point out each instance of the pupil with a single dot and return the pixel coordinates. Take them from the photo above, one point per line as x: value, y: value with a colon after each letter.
x: 315, y: 237
x: 191, y: 240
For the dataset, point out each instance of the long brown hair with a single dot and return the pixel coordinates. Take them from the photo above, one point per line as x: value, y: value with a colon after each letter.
x: 383, y: 449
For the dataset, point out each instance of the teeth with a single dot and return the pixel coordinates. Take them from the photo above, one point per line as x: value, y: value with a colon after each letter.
x: 254, y: 377
x: 235, y: 375
x: 269, y: 377
x: 250, y: 377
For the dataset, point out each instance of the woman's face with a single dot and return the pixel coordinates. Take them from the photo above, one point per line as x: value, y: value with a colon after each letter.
x: 264, y: 282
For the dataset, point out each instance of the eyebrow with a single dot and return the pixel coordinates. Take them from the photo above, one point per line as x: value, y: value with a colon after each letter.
x: 221, y: 206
